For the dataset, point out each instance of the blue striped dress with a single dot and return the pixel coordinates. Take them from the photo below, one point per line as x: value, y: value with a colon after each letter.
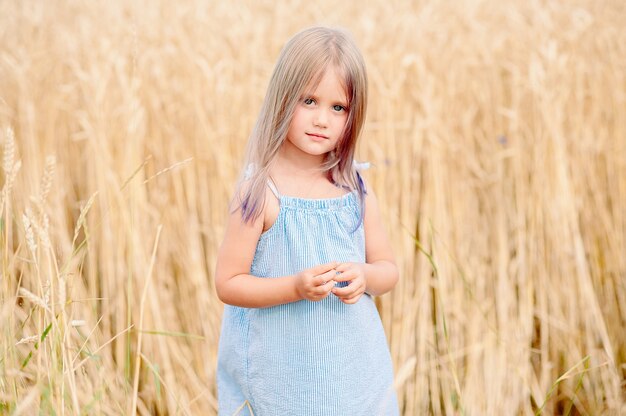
x: 306, y: 358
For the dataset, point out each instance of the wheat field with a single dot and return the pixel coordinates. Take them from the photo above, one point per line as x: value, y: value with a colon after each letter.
x: 496, y: 131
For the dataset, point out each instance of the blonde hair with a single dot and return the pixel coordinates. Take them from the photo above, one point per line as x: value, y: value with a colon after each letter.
x: 302, y: 61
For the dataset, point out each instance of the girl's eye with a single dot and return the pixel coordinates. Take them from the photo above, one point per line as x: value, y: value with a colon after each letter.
x: 308, y: 101
x: 338, y: 108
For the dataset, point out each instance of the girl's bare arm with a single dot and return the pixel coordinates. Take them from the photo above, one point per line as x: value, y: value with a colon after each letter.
x: 381, y: 272
x: 236, y: 286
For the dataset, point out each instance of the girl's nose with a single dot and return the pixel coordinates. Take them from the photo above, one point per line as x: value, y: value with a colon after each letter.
x: 321, y: 118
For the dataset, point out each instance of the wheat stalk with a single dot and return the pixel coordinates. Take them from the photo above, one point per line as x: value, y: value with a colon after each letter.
x: 28, y: 231
x: 34, y: 299
x: 9, y: 151
x: 81, y: 217
x: 47, y: 179
x: 9, y: 165
x: 28, y: 340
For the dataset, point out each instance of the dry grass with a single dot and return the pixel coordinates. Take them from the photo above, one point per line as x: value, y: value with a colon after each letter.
x: 497, y: 131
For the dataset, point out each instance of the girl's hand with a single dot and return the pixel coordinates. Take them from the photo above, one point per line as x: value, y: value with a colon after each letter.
x: 317, y: 282
x: 354, y: 274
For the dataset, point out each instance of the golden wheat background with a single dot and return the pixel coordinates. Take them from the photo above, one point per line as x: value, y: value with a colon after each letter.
x: 497, y: 135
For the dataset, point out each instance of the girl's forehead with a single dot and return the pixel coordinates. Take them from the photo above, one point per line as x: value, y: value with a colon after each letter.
x: 335, y: 70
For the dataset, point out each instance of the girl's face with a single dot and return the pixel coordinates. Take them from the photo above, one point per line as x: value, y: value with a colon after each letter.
x: 320, y: 116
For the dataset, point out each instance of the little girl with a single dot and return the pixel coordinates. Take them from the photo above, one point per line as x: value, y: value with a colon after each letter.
x: 305, y: 249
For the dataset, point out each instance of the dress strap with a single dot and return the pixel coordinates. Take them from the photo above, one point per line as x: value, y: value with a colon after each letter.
x: 272, y: 186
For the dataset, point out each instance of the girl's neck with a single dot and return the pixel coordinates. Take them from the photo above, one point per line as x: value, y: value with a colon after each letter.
x: 299, y: 164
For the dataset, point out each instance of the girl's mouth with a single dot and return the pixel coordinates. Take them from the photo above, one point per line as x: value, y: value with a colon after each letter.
x: 320, y: 136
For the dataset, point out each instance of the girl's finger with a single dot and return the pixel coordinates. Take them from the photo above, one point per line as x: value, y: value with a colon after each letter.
x: 323, y: 268
x: 353, y: 300
x: 356, y: 294
x: 353, y: 297
x: 325, y: 277
x: 324, y: 288
x: 344, y: 276
x: 343, y: 292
